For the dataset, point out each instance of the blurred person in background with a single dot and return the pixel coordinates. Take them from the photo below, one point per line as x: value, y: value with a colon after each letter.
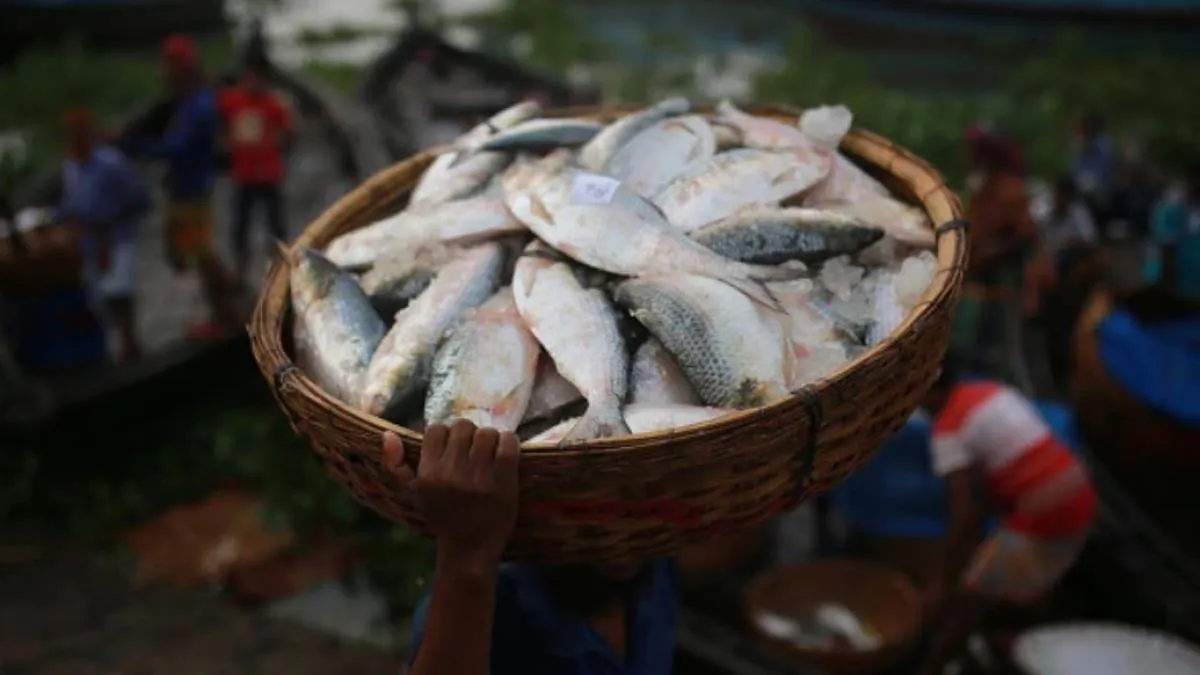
x: 1175, y: 232
x: 987, y: 435
x: 1002, y: 234
x: 484, y: 616
x: 189, y: 148
x: 105, y: 197
x: 1061, y: 276
x: 1092, y: 162
x: 257, y: 129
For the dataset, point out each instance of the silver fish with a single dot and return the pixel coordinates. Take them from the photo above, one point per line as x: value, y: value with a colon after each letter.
x: 551, y: 392
x: 484, y: 371
x: 643, y: 419
x: 543, y: 134
x: 655, y: 378
x: 401, y: 367
x: 462, y: 221
x: 771, y: 235
x: 728, y: 137
x: 601, y: 223
x: 446, y: 179
x: 401, y: 274
x: 762, y: 133
x: 852, y: 191
x: 732, y: 355
x: 578, y: 329
x: 526, y: 175
x: 337, y: 331
x: 662, y: 152
x: 736, y: 179
x: 501, y: 121
x: 598, y: 151
x: 904, y: 223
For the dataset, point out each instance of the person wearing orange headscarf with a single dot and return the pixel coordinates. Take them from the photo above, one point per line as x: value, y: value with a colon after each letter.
x: 1002, y: 233
x: 104, y: 195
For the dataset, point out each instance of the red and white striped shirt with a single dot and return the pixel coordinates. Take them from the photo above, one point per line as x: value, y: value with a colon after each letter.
x: 1043, y: 488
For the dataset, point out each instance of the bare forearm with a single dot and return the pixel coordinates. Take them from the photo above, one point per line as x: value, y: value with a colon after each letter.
x: 961, y: 540
x: 457, y: 638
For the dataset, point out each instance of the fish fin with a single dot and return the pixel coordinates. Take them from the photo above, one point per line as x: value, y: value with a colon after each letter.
x: 597, y: 422
x: 460, y: 155
x: 758, y: 292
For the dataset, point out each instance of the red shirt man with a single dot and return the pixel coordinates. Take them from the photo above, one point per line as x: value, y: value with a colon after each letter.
x: 257, y: 126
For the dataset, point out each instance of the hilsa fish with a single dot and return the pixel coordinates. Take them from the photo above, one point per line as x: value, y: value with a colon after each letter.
x: 600, y: 150
x: 603, y: 224
x: 402, y: 365
x: 577, y: 326
x: 772, y: 235
x: 661, y: 152
x: 542, y: 134
x: 734, y: 180
x: 420, y: 226
x: 732, y: 356
x: 401, y: 274
x: 485, y: 369
x: 337, y: 330
x: 447, y: 179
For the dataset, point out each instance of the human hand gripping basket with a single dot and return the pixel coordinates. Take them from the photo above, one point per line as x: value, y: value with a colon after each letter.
x: 648, y: 494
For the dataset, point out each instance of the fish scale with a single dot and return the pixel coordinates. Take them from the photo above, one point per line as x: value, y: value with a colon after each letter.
x: 716, y: 335
x: 773, y: 236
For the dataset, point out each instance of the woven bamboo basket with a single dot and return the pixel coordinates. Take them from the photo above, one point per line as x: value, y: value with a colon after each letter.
x: 650, y: 494
x: 880, y: 597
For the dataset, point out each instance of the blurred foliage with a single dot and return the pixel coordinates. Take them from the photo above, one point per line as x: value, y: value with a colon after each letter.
x: 342, y: 77
x: 235, y: 437
x: 1144, y: 94
x: 43, y: 82
x: 556, y: 34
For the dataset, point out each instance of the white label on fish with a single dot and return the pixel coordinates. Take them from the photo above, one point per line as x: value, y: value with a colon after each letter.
x: 590, y: 188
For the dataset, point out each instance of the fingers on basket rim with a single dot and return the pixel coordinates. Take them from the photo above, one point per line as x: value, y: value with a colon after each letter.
x: 458, y: 447
x: 434, y: 441
x: 508, y: 457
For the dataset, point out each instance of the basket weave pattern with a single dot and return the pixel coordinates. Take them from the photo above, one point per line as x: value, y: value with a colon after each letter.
x: 648, y: 495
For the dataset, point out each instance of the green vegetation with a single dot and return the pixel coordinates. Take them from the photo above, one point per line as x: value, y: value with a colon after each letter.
x: 1139, y: 93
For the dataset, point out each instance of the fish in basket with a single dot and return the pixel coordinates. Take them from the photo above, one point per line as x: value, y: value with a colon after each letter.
x: 693, y: 317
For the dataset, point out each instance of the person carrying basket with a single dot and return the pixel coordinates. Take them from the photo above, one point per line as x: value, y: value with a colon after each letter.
x: 484, y: 616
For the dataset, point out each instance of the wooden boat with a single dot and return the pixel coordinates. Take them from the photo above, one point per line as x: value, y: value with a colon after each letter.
x: 423, y: 80
x: 103, y: 23
x: 1155, y: 458
x: 182, y: 366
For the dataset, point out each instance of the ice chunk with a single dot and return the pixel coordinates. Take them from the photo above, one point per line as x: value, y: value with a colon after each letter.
x: 840, y: 277
x: 915, y: 275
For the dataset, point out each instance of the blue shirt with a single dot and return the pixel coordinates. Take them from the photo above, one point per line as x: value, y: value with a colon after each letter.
x: 1093, y: 167
x: 530, y: 636
x: 103, y: 190
x: 1176, y: 222
x: 189, y: 146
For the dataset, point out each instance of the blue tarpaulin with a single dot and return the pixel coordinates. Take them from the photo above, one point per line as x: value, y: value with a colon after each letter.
x: 1157, y: 364
x: 898, y: 495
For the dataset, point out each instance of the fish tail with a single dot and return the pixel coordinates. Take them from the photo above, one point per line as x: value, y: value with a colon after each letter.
x: 602, y: 421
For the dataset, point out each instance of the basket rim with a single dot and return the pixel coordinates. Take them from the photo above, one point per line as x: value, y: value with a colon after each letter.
x: 950, y: 250
x: 905, y: 588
